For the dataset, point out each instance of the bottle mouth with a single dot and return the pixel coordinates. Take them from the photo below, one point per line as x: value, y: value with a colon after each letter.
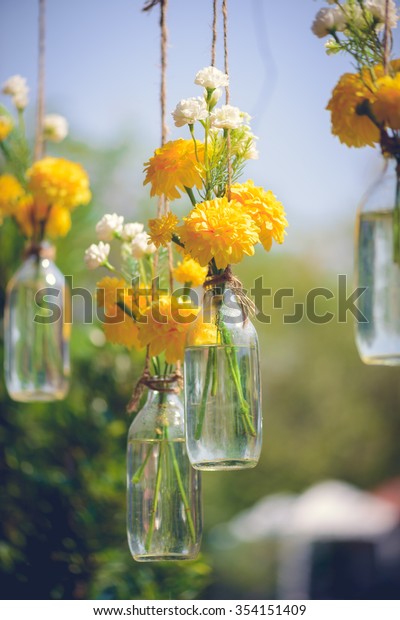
x: 159, y: 383
x: 44, y: 249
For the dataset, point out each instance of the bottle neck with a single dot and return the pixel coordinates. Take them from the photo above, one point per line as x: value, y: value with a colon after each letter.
x: 44, y: 249
x: 162, y: 389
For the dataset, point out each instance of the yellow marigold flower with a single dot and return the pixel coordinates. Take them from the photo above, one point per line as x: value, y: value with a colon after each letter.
x: 118, y: 326
x: 161, y: 229
x: 265, y: 210
x: 58, y: 222
x: 173, y: 167
x: 189, y: 270
x: 59, y: 181
x: 218, y: 229
x: 350, y: 127
x: 164, y: 327
x: 386, y: 108
x: 6, y: 125
x: 11, y: 192
x: 202, y: 334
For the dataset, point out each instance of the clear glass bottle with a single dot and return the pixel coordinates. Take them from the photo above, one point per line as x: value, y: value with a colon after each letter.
x: 378, y: 271
x: 222, y: 385
x: 36, y: 332
x: 164, y: 516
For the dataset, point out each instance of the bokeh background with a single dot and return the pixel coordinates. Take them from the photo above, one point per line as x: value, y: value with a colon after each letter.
x: 327, y: 416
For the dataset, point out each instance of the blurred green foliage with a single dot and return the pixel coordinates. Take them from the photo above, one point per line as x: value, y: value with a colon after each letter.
x: 62, y: 465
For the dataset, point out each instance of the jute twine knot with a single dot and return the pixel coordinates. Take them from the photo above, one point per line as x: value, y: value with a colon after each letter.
x: 160, y: 384
x: 39, y: 250
x: 227, y: 277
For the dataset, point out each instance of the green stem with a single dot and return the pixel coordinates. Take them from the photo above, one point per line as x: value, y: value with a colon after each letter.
x: 157, y: 491
x: 181, y: 488
x: 6, y: 151
x: 137, y: 476
x: 191, y: 128
x: 235, y: 373
x: 214, y: 384
x: 192, y: 197
x: 177, y: 241
x: 203, y: 403
x: 21, y: 122
x: 396, y: 218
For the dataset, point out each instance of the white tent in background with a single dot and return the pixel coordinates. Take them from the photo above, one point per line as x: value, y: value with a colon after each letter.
x: 330, y: 509
x: 327, y: 512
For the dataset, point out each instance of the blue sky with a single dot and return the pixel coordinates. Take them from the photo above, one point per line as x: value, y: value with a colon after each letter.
x: 103, y: 75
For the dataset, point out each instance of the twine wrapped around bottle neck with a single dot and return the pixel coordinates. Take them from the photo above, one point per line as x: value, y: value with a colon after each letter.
x: 160, y: 384
x: 226, y: 277
x: 40, y: 250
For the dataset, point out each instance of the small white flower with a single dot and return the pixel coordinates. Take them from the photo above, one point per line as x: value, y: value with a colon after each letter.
x: 216, y: 94
x: 15, y: 85
x: 210, y: 77
x: 97, y: 255
x: 130, y: 230
x: 378, y: 9
x: 327, y: 20
x: 246, y: 144
x: 55, y: 127
x: 189, y: 111
x: 21, y: 101
x: 140, y: 245
x: 227, y: 117
x: 108, y: 226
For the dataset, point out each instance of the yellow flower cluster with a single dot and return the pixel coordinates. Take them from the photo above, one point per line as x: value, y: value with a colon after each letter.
x: 162, y: 228
x: 218, y: 229
x: 362, y: 103
x: 55, y: 187
x: 118, y: 326
x: 6, y: 125
x: 227, y: 230
x: 265, y: 210
x: 11, y: 192
x: 190, y: 272
x: 164, y: 327
x: 58, y: 181
x: 173, y: 167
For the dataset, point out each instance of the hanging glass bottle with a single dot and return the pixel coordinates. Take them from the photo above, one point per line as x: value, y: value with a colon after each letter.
x: 36, y: 331
x: 222, y: 384
x: 378, y: 270
x: 164, y: 519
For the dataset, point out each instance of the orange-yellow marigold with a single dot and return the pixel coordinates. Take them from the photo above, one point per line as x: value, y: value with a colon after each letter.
x: 58, y: 223
x: 6, y: 125
x: 387, y: 105
x: 162, y: 228
x: 58, y: 181
x: 190, y: 271
x: 173, y: 167
x: 265, y: 210
x: 220, y: 230
x: 164, y: 327
x: 118, y: 326
x: 11, y: 192
x: 348, y: 125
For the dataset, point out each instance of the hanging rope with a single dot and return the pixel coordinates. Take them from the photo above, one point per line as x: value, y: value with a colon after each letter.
x: 39, y: 142
x: 214, y: 33
x: 386, y: 40
x: 227, y: 94
x: 146, y: 380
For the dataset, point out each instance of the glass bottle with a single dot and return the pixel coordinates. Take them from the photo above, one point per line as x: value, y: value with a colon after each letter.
x: 36, y: 331
x: 164, y: 516
x: 222, y: 384
x: 378, y: 270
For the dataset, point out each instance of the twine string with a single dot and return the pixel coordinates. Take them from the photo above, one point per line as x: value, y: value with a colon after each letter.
x: 40, y: 110
x: 227, y: 95
x: 214, y: 33
x: 248, y: 307
x: 386, y: 40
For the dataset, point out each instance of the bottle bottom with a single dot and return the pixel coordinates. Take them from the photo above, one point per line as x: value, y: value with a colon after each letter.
x: 381, y: 360
x: 167, y: 557
x: 33, y: 396
x: 225, y: 464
